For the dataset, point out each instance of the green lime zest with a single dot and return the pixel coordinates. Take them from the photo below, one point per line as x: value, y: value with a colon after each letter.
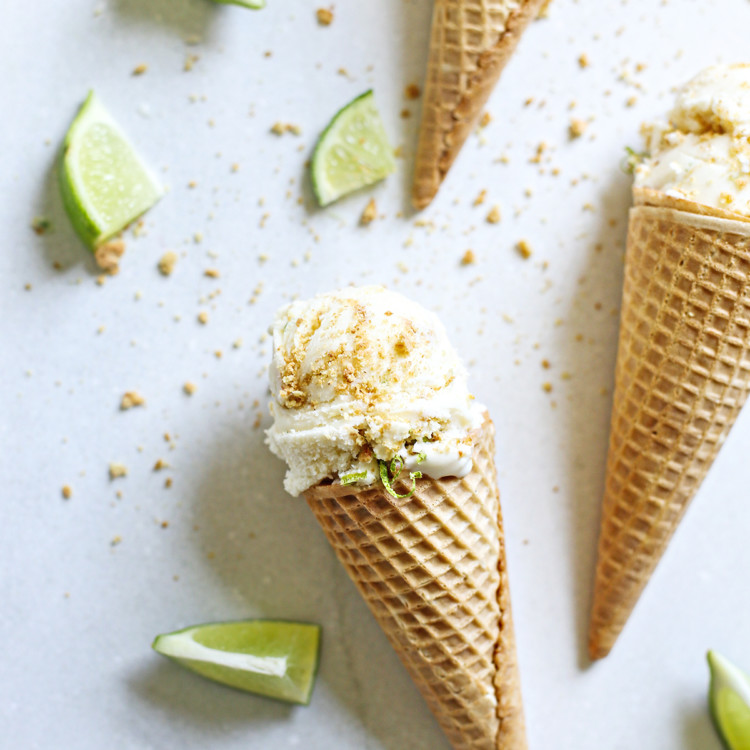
x: 395, y: 469
x: 729, y: 701
x: 355, y: 476
x: 632, y: 160
x: 421, y: 457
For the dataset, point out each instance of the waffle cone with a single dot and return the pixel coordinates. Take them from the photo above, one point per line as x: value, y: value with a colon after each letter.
x: 682, y: 376
x: 470, y: 43
x: 432, y: 570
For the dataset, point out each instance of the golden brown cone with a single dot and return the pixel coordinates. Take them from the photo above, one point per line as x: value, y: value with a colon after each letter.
x: 432, y: 570
x: 682, y: 376
x: 470, y: 43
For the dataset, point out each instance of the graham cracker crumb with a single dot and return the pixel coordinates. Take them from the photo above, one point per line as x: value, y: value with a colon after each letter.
x: 544, y: 10
x: 168, y: 482
x: 524, y: 249
x: 67, y: 492
x: 189, y: 388
x: 108, y: 255
x: 117, y: 470
x: 485, y: 120
x: 190, y: 60
x: 324, y: 16
x: 547, y: 387
x: 131, y: 399
x: 279, y: 128
x: 166, y: 263
x: 203, y: 317
x: 212, y: 273
x: 160, y: 464
x: 139, y: 70
x: 369, y: 214
x: 116, y: 540
x: 468, y: 258
x: 493, y: 217
x: 412, y: 91
x: 480, y: 198
x: 583, y: 60
x: 577, y: 128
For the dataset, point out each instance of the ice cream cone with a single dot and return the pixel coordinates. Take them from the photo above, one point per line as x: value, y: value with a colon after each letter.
x: 470, y: 43
x: 431, y: 567
x: 682, y: 376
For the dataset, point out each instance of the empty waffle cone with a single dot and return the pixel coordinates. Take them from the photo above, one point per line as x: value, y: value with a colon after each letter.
x: 431, y: 568
x: 682, y: 376
x: 470, y: 43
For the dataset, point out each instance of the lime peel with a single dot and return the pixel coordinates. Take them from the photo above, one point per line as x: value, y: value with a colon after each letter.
x: 352, y: 152
x: 729, y: 701
x: 105, y: 185
x: 254, y: 4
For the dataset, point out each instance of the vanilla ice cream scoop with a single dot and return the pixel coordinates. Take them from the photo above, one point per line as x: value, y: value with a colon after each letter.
x: 364, y: 375
x: 703, y: 154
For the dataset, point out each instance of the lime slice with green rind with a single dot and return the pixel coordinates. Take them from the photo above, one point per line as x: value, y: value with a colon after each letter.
x: 273, y: 658
x: 105, y: 185
x: 255, y: 4
x: 729, y: 701
x: 352, y: 152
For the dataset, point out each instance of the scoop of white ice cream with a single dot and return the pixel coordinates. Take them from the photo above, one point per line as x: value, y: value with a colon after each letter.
x: 703, y: 154
x: 362, y: 375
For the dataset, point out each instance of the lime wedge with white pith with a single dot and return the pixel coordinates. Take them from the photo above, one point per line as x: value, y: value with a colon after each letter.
x: 255, y: 4
x: 729, y: 701
x: 273, y: 658
x: 352, y: 152
x: 105, y: 185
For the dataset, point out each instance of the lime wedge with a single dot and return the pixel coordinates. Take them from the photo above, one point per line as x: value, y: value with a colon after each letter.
x: 352, y: 152
x: 256, y: 4
x: 729, y: 701
x: 104, y: 183
x: 273, y: 658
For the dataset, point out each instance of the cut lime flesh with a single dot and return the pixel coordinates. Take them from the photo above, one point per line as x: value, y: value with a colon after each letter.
x: 272, y: 658
x: 352, y: 152
x: 104, y: 183
x: 729, y: 701
x: 255, y: 4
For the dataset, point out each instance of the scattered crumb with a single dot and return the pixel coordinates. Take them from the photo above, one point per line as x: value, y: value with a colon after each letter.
x: 108, y: 255
x: 192, y: 184
x: 324, y: 16
x: 167, y: 262
x: 116, y: 540
x: 203, y: 317
x: 545, y: 364
x: 412, y: 91
x: 131, y: 399
x: 468, y: 258
x: 139, y: 70
x: 164, y: 524
x: 369, y: 214
x: 583, y: 60
x: 212, y: 273
x: 190, y: 60
x: 189, y: 388
x: 547, y: 387
x: 480, y: 198
x: 160, y: 464
x: 27, y: 287
x: 67, y: 492
x: 117, y: 470
x: 485, y: 120
x: 168, y: 482
x: 577, y: 128
x: 493, y: 217
x: 524, y: 249
x: 632, y: 101
x: 279, y: 128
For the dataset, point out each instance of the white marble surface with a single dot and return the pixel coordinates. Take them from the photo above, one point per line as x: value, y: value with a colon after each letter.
x: 78, y: 614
